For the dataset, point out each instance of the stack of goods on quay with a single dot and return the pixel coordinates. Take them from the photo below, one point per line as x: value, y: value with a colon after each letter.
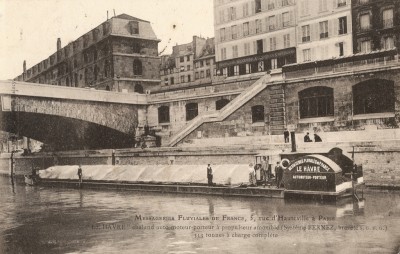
x: 227, y: 174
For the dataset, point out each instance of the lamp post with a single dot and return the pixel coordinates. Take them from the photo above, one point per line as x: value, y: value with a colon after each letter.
x: 118, y: 77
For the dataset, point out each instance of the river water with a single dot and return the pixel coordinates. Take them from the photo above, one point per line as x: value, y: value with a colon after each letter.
x: 56, y: 220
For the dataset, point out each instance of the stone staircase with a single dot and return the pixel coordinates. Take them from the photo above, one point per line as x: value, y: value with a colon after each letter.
x: 217, y: 116
x: 277, y: 106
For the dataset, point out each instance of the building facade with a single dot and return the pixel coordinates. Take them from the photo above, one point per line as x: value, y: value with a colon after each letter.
x: 324, y: 29
x: 376, y: 25
x: 120, y: 54
x: 254, y: 36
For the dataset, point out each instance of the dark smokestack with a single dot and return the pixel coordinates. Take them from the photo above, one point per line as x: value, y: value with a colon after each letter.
x: 107, y: 15
x: 293, y: 139
x: 24, y: 66
x: 58, y: 44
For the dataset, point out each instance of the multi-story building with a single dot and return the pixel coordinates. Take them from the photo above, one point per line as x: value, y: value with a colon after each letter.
x: 121, y: 54
x: 324, y: 29
x: 254, y: 36
x: 181, y: 68
x: 376, y: 25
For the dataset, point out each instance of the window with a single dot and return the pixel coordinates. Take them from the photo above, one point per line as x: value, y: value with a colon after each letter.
x: 163, y: 114
x: 191, y: 111
x: 207, y: 62
x: 323, y: 5
x: 246, y: 49
x: 245, y: 9
x: 343, y: 25
x: 341, y: 3
x: 306, y: 55
x: 232, y: 13
x: 188, y: 67
x: 365, y: 22
x: 196, y: 75
x: 222, y: 34
x: 188, y: 59
x: 219, y: 104
x: 271, y: 22
x: 208, y: 73
x: 272, y: 43
x: 201, y: 64
x: 234, y: 32
x: 223, y: 53
x: 235, y: 51
x: 137, y: 67
x: 182, y: 79
x: 257, y: 113
x: 182, y: 59
x: 316, y: 102
x: 259, y: 46
x: 258, y: 6
x: 285, y: 2
x: 236, y: 70
x: 274, y: 63
x: 365, y: 46
x: 260, y: 66
x: 172, y: 80
x: 134, y: 25
x: 387, y: 18
x: 245, y: 28
x: 373, y: 96
x: 341, y: 49
x: 202, y: 74
x: 285, y: 19
x: 323, y: 29
x: 165, y: 81
x: 271, y: 4
x: 258, y: 26
x: 305, y: 31
x: 286, y: 40
x: 189, y: 78
x: 138, y: 88
x: 304, y: 8
x: 388, y: 43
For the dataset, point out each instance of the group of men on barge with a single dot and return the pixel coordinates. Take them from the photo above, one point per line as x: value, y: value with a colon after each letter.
x: 261, y: 174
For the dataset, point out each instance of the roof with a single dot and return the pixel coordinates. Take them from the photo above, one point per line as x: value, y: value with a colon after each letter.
x: 129, y: 17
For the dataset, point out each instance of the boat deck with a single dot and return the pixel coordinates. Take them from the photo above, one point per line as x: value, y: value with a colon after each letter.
x: 259, y: 191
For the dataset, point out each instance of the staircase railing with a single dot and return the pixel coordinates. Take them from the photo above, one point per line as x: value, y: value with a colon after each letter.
x: 231, y: 107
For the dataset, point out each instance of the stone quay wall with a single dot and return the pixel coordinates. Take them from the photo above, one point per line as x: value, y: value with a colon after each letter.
x: 380, y: 163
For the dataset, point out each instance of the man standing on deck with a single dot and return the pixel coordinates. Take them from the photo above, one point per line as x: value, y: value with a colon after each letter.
x: 279, y: 175
x: 80, y: 173
x: 264, y: 168
x: 209, y: 175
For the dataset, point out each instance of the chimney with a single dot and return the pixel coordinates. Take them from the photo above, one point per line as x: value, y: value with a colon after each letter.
x: 58, y: 44
x: 24, y: 66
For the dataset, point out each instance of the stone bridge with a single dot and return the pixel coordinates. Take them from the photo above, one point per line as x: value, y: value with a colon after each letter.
x: 70, y: 118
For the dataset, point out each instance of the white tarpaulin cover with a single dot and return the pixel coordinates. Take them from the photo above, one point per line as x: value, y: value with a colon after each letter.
x: 222, y: 174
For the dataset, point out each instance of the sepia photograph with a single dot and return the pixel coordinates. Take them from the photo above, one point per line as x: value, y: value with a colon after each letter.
x: 200, y: 126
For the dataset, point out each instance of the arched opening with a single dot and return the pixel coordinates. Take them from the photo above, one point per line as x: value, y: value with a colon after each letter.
x: 138, y: 88
x: 257, y: 113
x: 316, y: 102
x: 163, y: 114
x: 373, y: 96
x: 137, y: 67
x: 191, y: 111
x: 219, y: 104
x: 108, y: 88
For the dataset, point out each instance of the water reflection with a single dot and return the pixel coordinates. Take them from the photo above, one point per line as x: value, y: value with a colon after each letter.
x: 43, y: 220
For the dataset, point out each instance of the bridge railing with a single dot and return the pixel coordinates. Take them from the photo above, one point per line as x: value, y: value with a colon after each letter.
x: 69, y: 93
